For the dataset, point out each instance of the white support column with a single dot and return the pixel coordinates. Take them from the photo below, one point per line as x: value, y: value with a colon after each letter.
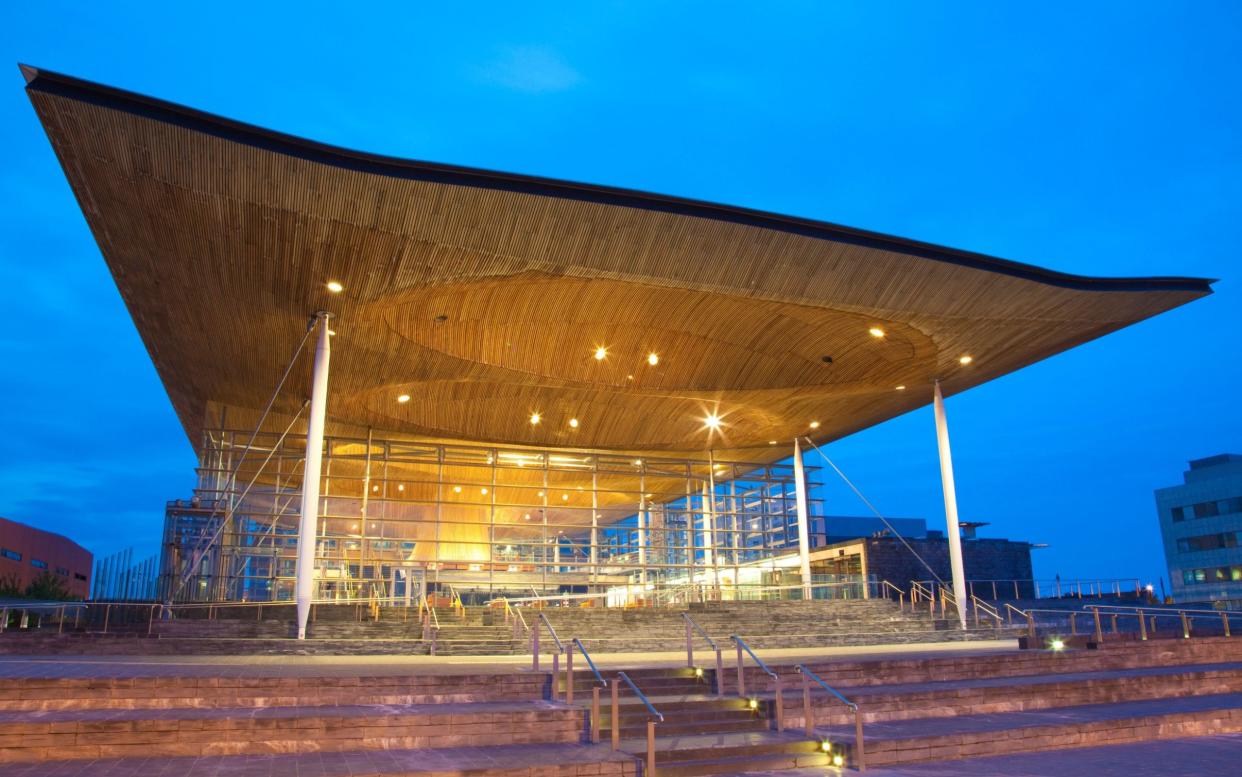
x: 305, y: 570
x: 950, y: 506
x: 804, y: 521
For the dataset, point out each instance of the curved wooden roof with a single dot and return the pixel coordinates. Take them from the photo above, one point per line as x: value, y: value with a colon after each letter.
x: 484, y: 295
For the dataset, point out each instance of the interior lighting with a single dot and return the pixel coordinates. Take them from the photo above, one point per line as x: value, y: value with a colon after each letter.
x: 600, y: 353
x: 564, y: 497
x: 526, y: 517
x: 815, y: 424
x: 374, y: 489
x: 483, y: 491
x: 540, y: 493
x: 902, y: 387
x: 456, y: 489
x: 335, y: 287
x: 354, y: 527
x: 535, y: 418
x: 712, y: 421
x: 403, y: 398
x: 771, y: 442
x: 401, y: 486
x: 638, y: 462
x: 838, y: 760
x: 573, y: 423
x: 966, y: 359
x: 876, y: 331
x: 653, y: 359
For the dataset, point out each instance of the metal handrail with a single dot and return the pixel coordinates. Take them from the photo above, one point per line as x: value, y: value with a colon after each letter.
x: 859, y: 748
x: 654, y: 713
x: 598, y: 677
x: 806, y: 670
x: 699, y: 629
x: 901, y: 595
x: 988, y: 610
x: 1159, y: 609
x: 741, y: 644
x: 559, y: 646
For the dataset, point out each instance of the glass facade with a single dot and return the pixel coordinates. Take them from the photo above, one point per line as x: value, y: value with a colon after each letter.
x: 397, y: 516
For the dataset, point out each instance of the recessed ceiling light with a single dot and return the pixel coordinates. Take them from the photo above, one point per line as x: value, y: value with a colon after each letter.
x: 638, y: 462
x: 456, y: 489
x: 526, y: 517
x: 600, y: 353
x: 540, y: 493
x: 374, y: 489
x: 771, y: 442
x: 901, y: 388
x: 712, y: 421
x: 400, y: 486
x: 573, y: 423
x: 564, y: 497
x: 535, y: 418
x: 335, y: 287
x: 966, y: 359
x: 483, y: 491
x: 876, y: 331
x: 815, y: 424
x: 403, y: 398
x: 653, y: 359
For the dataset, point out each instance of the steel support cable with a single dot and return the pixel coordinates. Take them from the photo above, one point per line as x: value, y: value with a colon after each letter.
x: 245, y: 492
x: 871, y: 507
x: 202, y: 548
x: 271, y: 453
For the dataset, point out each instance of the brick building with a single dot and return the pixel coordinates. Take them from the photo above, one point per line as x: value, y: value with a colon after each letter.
x: 27, y: 552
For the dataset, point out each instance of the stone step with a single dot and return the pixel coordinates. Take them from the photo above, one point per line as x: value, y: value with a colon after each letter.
x: 92, y: 734
x: 729, y: 752
x: 209, y: 692
x: 964, y: 736
x: 937, y: 699
x: 499, y: 761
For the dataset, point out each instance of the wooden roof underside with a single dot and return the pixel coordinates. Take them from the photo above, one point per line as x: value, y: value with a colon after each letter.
x: 484, y: 295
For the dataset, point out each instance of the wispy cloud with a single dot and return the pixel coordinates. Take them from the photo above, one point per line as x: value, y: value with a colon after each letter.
x: 532, y: 69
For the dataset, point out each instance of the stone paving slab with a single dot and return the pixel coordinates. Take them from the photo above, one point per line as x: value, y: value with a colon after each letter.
x: 524, y: 760
x: 302, y: 666
x: 1209, y: 756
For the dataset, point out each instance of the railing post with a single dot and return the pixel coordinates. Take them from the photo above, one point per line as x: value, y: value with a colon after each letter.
x: 720, y: 680
x: 435, y: 637
x: 595, y: 715
x: 556, y: 673
x: 534, y: 648
x: 569, y: 673
x: 741, y: 674
x: 994, y: 596
x: 689, y: 644
x: 806, y: 706
x: 107, y: 614
x: 860, y: 749
x: 1099, y: 632
x: 1142, y: 626
x: 780, y: 704
x: 4, y: 618
x: 1224, y: 621
x: 616, y: 714
x: 1074, y: 624
x: 1185, y: 625
x: 1115, y: 630
x: 651, y: 766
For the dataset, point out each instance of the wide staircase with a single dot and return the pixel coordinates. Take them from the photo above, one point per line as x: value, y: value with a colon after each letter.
x: 390, y: 720
x: 765, y: 624
x: 349, y: 629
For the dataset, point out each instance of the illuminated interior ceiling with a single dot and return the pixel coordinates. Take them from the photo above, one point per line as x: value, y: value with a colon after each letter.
x: 484, y: 297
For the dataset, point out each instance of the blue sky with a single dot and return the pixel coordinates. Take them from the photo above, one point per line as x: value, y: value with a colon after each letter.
x: 1101, y: 138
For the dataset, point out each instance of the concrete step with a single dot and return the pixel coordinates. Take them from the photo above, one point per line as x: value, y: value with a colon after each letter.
x: 729, y: 752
